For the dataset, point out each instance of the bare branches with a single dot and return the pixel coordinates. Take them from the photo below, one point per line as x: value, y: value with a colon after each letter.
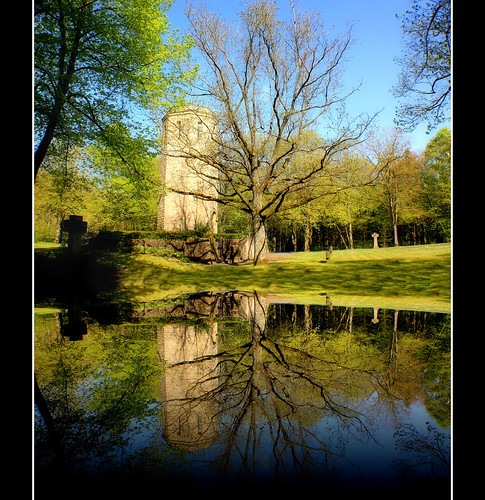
x: 260, y: 383
x: 425, y: 78
x: 271, y: 83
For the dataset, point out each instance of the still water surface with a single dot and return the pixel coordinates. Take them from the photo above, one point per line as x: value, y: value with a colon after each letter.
x: 238, y: 389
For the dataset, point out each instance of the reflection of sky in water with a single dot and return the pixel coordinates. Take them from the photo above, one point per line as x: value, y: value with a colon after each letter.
x: 375, y: 461
x: 309, y: 439
x: 360, y: 459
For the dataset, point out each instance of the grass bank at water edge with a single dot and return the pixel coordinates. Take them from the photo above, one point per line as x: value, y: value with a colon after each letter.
x: 414, y: 274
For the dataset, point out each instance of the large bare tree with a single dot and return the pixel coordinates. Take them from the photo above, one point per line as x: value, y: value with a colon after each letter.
x: 272, y: 84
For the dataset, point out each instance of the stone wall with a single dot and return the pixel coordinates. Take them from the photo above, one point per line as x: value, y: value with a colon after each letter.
x: 205, y: 250
x: 175, y: 245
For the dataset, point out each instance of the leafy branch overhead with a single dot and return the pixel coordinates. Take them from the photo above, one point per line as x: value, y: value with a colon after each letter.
x: 98, y: 63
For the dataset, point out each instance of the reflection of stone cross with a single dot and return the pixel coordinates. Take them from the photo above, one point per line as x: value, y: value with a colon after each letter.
x: 75, y: 226
x: 375, y: 236
x: 75, y: 328
x: 375, y: 319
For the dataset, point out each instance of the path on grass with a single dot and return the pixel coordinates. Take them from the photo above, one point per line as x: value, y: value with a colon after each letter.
x: 273, y: 257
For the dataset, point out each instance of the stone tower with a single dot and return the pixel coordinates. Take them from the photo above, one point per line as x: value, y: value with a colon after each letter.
x: 188, y: 136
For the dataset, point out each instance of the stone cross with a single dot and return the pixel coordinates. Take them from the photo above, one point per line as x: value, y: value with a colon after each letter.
x: 75, y: 226
x: 375, y: 236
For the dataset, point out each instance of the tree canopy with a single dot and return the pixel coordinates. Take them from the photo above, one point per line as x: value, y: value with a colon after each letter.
x: 99, y: 64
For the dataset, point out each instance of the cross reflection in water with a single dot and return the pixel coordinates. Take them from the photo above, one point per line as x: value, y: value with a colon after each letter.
x: 252, y: 390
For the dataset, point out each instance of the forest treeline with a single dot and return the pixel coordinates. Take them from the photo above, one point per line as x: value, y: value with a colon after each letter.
x: 409, y: 203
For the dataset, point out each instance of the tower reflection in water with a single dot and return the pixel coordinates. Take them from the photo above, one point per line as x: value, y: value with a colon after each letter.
x: 189, y: 388
x: 188, y: 411
x: 258, y: 389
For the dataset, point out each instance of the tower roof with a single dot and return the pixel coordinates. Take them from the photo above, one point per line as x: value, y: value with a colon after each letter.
x: 189, y: 108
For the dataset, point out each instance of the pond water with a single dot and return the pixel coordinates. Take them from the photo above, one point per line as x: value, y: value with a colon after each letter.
x: 237, y: 389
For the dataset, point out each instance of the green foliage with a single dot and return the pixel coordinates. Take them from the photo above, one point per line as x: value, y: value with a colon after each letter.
x: 414, y: 193
x: 436, y: 178
x: 124, y: 190
x: 233, y: 221
x: 99, y: 64
x: 97, y: 389
x: 60, y: 189
x: 98, y: 185
x: 162, y: 252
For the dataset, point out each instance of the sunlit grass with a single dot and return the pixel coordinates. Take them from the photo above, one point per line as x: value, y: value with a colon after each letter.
x: 404, y: 275
x: 46, y: 244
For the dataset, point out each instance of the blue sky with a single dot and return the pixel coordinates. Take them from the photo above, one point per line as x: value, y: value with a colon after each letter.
x: 378, y: 37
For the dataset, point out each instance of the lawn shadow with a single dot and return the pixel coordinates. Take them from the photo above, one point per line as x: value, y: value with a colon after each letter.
x: 93, y: 281
x: 384, y: 277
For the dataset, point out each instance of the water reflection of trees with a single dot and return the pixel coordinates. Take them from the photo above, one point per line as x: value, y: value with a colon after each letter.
x: 265, y: 396
x: 264, y: 385
x: 410, y: 348
x: 281, y: 388
x: 92, y: 397
x: 429, y: 452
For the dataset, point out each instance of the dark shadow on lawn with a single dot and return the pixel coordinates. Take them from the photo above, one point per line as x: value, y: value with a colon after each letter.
x: 93, y: 280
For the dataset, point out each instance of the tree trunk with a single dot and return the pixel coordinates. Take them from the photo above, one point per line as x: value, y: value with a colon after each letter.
x: 351, y: 236
x: 350, y: 231
x: 258, y: 246
x: 40, y: 402
x: 344, y: 241
x: 43, y: 146
x: 307, y: 233
x: 58, y: 235
x: 396, y: 242
x: 294, y: 239
x: 307, y: 322
x: 393, y: 205
x: 63, y: 84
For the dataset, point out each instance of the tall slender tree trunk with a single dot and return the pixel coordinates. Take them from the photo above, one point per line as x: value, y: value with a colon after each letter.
x: 351, y: 236
x: 396, y: 241
x: 350, y: 230
x: 307, y: 233
x: 294, y: 239
x: 393, y: 205
x: 58, y: 235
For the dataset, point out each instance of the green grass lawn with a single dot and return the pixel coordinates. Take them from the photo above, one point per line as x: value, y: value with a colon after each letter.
x: 413, y: 277
x: 46, y: 245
